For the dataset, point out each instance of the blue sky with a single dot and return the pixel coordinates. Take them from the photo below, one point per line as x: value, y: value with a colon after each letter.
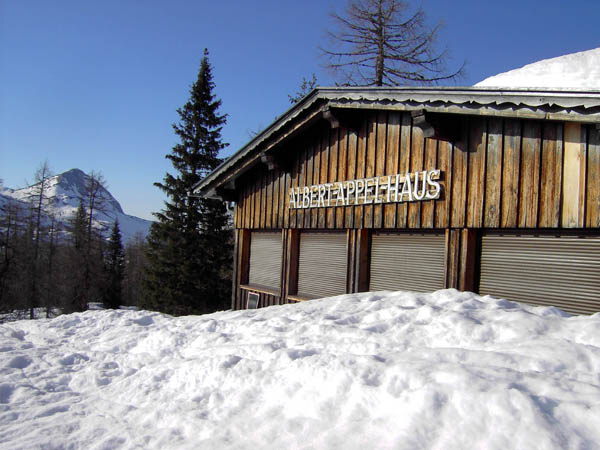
x: 95, y: 84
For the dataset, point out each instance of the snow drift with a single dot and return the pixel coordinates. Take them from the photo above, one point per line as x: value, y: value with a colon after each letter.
x: 574, y: 71
x: 446, y: 370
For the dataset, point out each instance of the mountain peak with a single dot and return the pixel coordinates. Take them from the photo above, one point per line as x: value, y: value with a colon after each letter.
x: 74, y: 179
x: 74, y: 174
x: 73, y: 184
x: 63, y: 194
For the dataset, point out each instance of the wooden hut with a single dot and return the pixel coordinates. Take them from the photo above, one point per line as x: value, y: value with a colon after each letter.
x: 365, y: 189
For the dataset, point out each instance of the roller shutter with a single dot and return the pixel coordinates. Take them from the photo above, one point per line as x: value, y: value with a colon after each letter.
x: 408, y: 261
x: 265, y: 260
x: 322, y: 265
x: 543, y: 270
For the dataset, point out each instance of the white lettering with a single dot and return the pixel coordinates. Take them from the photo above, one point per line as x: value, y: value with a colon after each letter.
x: 365, y: 191
x: 368, y: 191
x: 360, y: 188
x: 406, y: 189
x: 321, y: 201
x: 351, y: 190
x: 377, y: 199
x: 340, y: 196
x: 431, y: 176
x: 313, y: 197
x: 420, y: 195
x: 305, y: 197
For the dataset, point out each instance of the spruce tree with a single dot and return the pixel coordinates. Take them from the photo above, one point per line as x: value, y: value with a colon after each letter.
x: 115, y: 268
x: 189, y: 246
x: 76, y: 262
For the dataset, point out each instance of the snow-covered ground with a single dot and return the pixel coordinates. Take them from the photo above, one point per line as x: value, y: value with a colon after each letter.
x: 574, y: 71
x: 447, y: 370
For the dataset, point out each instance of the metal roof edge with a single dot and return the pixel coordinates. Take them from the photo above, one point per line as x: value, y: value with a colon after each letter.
x: 294, y: 110
x: 562, y: 98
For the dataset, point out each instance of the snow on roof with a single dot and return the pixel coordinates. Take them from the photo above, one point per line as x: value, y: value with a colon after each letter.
x: 447, y: 370
x: 573, y: 71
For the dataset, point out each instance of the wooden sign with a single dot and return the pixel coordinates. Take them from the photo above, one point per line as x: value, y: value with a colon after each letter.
x: 397, y: 188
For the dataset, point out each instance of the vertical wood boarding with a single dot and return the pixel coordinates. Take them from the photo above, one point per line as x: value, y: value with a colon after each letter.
x: 324, y: 174
x: 351, y: 174
x: 476, y: 172
x: 428, y: 207
x: 593, y: 178
x: 417, y: 150
x: 530, y: 173
x: 511, y: 170
x: 361, y: 156
x: 370, y: 162
x: 342, y: 164
x: 381, y: 156
x: 391, y: 163
x: 332, y: 171
x: 443, y: 206
x: 493, y: 174
x: 460, y: 178
x: 573, y: 176
x: 316, y: 172
x: 551, y: 176
x: 404, y: 165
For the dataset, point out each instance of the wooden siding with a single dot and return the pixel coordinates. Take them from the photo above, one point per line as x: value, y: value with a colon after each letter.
x: 501, y: 173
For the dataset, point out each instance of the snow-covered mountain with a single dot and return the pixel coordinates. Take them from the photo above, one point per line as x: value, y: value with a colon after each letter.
x: 62, y: 195
x: 573, y: 71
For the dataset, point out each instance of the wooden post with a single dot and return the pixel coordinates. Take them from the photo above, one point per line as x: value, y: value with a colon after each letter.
x: 291, y: 263
x: 452, y: 258
x: 244, y: 268
x: 362, y: 260
x: 468, y: 259
x: 234, y: 273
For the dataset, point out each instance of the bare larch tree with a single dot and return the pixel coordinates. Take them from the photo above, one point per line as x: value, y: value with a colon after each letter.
x: 383, y: 43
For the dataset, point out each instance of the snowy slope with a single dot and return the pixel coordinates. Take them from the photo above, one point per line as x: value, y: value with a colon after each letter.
x: 447, y: 370
x: 574, y: 71
x: 63, y: 193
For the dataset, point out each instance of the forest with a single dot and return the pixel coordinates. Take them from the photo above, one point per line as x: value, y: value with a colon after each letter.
x: 49, y: 266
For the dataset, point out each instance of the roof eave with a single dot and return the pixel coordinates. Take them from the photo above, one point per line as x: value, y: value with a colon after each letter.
x: 461, y: 100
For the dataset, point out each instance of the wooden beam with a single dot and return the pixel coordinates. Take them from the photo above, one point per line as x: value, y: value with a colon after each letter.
x: 269, y: 160
x: 227, y: 195
x: 342, y: 118
x: 437, y: 126
x: 276, y: 160
x: 420, y: 120
x: 330, y: 117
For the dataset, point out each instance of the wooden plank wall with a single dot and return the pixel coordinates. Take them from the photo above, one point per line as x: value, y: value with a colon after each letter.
x: 502, y: 173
